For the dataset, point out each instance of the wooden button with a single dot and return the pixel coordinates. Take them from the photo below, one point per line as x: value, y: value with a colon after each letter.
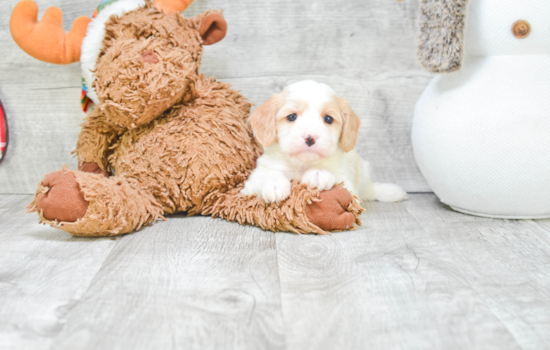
x: 521, y: 29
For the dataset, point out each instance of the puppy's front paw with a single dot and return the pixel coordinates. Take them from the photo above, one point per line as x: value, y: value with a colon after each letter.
x: 276, y: 190
x: 251, y: 188
x: 322, y: 179
x: 389, y: 193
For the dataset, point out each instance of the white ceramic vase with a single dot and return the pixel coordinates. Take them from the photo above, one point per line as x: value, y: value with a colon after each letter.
x: 481, y: 135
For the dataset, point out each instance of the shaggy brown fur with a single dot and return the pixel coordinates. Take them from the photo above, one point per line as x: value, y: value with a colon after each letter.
x: 132, y: 91
x: 295, y: 214
x: 175, y: 140
x: 441, y: 39
x: 116, y: 206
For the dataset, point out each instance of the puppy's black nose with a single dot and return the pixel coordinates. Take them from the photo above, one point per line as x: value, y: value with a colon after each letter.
x: 310, y: 141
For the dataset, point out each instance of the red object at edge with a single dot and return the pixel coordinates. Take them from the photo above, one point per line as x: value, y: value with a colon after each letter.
x: 3, y: 132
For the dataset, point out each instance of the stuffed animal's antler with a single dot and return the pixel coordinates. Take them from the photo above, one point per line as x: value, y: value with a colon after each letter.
x: 46, y: 40
x: 172, y: 6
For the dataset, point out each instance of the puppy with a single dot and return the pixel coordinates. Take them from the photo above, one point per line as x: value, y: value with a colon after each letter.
x: 309, y: 134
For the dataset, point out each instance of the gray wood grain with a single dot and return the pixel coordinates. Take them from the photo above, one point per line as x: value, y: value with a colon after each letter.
x: 507, y: 263
x: 43, y: 274
x: 418, y: 276
x: 365, y: 49
x: 188, y: 283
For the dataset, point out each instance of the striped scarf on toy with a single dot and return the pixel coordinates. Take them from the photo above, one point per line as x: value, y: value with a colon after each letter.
x: 85, y: 101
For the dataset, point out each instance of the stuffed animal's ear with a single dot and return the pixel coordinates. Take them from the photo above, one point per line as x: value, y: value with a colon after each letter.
x: 264, y: 120
x: 441, y: 39
x: 350, y: 129
x: 213, y: 28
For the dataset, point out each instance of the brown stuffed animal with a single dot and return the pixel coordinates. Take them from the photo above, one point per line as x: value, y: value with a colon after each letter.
x: 176, y: 141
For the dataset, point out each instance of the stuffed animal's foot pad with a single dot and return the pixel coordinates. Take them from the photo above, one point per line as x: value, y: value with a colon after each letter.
x: 330, y: 214
x: 61, y: 198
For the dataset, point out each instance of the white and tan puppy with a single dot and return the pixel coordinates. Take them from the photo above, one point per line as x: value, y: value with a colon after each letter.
x: 309, y: 134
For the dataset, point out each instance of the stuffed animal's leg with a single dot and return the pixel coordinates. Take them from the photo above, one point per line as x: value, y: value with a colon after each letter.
x: 305, y: 211
x: 94, y: 141
x: 85, y: 204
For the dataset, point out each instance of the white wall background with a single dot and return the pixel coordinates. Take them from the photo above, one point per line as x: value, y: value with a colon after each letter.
x: 364, y: 49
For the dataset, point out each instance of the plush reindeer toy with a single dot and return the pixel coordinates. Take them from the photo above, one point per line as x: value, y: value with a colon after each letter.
x: 162, y: 138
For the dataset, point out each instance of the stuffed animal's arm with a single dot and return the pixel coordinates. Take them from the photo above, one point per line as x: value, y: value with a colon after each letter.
x: 96, y: 137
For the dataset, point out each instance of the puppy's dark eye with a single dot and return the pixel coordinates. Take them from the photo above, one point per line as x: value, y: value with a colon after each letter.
x: 292, y: 117
x: 328, y: 119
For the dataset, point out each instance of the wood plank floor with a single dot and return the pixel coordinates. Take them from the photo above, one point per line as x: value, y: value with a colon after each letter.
x: 416, y: 276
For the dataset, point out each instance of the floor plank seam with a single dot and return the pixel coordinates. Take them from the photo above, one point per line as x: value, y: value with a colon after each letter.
x: 275, y: 234
x: 85, y: 291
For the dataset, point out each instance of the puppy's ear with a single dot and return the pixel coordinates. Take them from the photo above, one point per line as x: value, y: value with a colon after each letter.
x: 264, y: 120
x: 350, y: 129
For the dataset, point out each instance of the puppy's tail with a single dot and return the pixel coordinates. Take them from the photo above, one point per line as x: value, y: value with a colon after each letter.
x: 387, y: 192
x: 382, y: 192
